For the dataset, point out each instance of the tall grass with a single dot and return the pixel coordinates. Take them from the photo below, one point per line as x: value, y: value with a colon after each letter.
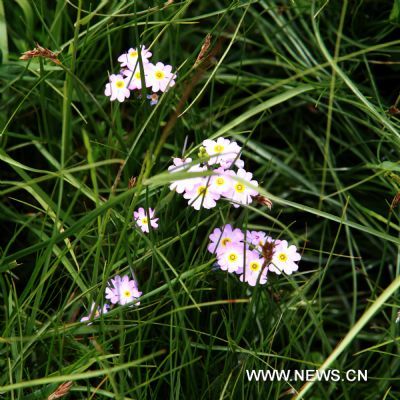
x: 309, y: 89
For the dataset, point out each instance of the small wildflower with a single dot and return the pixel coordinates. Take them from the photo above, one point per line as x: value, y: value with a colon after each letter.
x: 143, y: 219
x: 254, y: 271
x: 181, y: 165
x: 201, y: 195
x: 221, y: 183
x: 284, y: 258
x: 122, y: 290
x: 95, y: 313
x: 153, y: 98
x: 117, y: 88
x: 160, y: 77
x: 130, y: 59
x: 134, y: 78
x: 222, y: 151
x: 238, y: 163
x: 257, y: 239
x: 241, y: 192
x: 220, y: 238
x: 260, y: 253
x: 231, y: 258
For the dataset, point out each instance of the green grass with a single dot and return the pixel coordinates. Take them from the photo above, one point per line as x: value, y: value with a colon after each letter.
x: 306, y: 87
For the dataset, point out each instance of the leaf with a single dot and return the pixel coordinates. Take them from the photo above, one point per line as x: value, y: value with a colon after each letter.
x: 395, y: 13
x: 280, y: 98
x: 3, y: 34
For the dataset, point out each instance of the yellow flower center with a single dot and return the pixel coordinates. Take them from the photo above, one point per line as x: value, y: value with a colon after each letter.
x: 202, y: 190
x: 154, y: 96
x: 225, y: 241
x: 120, y: 84
x: 137, y: 75
x: 282, y: 257
x: 240, y: 187
x: 127, y: 293
x: 159, y: 74
x: 255, y: 266
x: 218, y: 148
x: 232, y: 257
x: 133, y: 54
x: 145, y: 221
x: 220, y: 181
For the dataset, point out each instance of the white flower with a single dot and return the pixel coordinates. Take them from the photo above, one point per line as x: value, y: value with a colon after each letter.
x: 221, y: 183
x: 241, y: 192
x: 284, y: 258
x: 180, y: 165
x: 143, y: 220
x: 160, y: 77
x: 130, y: 59
x: 222, y: 151
x: 117, y: 88
x: 231, y: 258
x: 201, y: 195
x: 220, y: 238
x: 254, y: 272
x: 239, y: 163
x: 122, y: 290
x: 134, y: 78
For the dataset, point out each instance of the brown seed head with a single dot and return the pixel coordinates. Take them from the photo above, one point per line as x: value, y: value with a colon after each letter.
x: 40, y: 51
x: 61, y: 391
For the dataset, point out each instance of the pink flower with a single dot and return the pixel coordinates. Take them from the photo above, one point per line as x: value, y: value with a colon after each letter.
x: 95, y: 314
x: 143, y: 220
x: 221, y: 183
x: 201, y: 195
x: 130, y: 59
x: 160, y: 77
x: 284, y: 258
x: 254, y: 272
x: 258, y: 239
x: 220, y: 238
x: 231, y: 258
x: 134, y: 78
x: 122, y: 290
x: 117, y: 88
x: 242, y: 193
x: 222, y: 151
x: 181, y: 165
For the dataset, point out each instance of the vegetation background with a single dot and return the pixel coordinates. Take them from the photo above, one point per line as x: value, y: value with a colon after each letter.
x: 309, y: 88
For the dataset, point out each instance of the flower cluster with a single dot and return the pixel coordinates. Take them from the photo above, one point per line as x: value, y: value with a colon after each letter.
x: 119, y: 291
x: 204, y: 191
x: 158, y: 77
x: 252, y: 254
